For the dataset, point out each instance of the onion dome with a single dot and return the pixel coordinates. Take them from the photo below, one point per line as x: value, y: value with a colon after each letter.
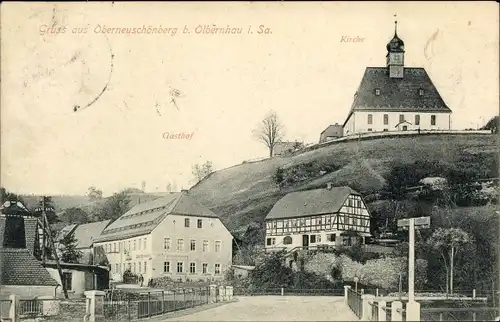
x: 396, y: 44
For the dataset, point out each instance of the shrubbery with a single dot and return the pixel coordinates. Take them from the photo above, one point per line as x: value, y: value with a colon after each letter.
x: 301, y: 172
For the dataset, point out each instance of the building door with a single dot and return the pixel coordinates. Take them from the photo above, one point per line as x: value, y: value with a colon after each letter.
x: 405, y: 128
x: 305, y: 240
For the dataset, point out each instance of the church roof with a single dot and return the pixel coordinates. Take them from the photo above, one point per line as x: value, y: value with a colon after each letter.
x: 143, y: 218
x: 398, y: 94
x: 310, y: 202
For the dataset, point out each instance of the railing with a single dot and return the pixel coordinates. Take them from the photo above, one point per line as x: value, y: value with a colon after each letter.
x: 288, y: 292
x: 355, y: 302
x: 30, y: 307
x: 127, y: 306
x: 459, y: 314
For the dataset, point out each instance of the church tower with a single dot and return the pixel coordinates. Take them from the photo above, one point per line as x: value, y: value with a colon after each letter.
x: 395, y: 55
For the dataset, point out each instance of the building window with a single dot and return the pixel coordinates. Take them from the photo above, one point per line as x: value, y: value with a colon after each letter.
x: 139, y: 267
x: 377, y: 91
x: 287, y: 240
x: 167, y: 243
x: 193, y: 245
x: 129, y: 246
x: 417, y: 119
x: 217, y: 269
x: 205, y: 246
x: 186, y: 222
x: 217, y: 246
x: 421, y: 92
x: 200, y: 223
x: 271, y: 241
x: 145, y: 243
x: 386, y: 119
x: 312, y: 239
x: 145, y: 267
x: 139, y: 244
x: 369, y: 130
x: 318, y: 238
x: 192, y: 268
x: 401, y: 118
x: 114, y: 247
x: 386, y: 130
x: 180, y: 267
x: 166, y: 267
x: 205, y: 268
x: 433, y: 119
x: 370, y: 119
x: 135, y: 244
x: 332, y: 237
x: 67, y: 280
x: 180, y: 245
x: 117, y: 268
x: 130, y: 266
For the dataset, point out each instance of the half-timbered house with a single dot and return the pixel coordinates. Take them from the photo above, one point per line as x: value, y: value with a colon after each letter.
x: 333, y: 216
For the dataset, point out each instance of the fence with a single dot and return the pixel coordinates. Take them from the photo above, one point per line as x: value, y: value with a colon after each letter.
x: 131, y: 305
x: 355, y: 301
x: 289, y: 292
x: 428, y: 308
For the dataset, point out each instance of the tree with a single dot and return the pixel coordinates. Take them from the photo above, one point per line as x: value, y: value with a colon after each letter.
x: 50, y: 210
x: 269, y: 131
x: 74, y: 215
x: 448, y: 241
x: 492, y: 124
x: 69, y: 253
x: 9, y: 196
x: 201, y: 171
x: 94, y: 194
x: 114, y: 206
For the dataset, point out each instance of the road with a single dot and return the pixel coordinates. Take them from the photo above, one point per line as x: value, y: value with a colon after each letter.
x: 276, y: 308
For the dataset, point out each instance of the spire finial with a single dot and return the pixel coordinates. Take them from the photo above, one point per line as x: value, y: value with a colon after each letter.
x: 395, y: 24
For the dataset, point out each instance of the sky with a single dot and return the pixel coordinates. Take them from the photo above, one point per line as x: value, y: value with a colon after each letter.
x: 298, y: 66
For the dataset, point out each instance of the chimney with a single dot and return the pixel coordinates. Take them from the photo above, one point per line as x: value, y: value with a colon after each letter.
x: 329, y: 186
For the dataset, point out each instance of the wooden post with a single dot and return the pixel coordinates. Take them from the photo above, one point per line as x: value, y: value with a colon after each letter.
x: 396, y: 314
x: 411, y: 263
x: 382, y: 315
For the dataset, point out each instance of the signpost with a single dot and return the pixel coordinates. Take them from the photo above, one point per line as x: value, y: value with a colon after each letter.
x: 413, y: 308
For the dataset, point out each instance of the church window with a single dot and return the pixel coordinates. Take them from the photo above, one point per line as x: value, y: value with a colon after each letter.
x: 377, y: 91
x: 386, y: 119
x: 417, y: 119
x: 370, y: 118
x: 433, y: 119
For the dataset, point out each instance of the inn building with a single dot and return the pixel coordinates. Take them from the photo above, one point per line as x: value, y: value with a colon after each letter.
x: 331, y: 216
x: 174, y: 236
x: 396, y: 98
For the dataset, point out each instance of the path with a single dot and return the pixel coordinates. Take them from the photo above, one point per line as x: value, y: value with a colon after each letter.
x: 276, y: 308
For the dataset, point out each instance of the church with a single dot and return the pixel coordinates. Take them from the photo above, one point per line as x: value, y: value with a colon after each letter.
x: 396, y: 98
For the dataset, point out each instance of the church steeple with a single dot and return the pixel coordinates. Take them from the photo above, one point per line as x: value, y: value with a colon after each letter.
x: 395, y: 55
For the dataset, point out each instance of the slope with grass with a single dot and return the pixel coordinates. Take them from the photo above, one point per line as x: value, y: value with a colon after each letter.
x: 245, y: 193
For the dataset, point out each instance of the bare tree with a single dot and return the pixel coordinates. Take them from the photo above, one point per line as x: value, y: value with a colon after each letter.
x: 201, y: 171
x: 269, y: 131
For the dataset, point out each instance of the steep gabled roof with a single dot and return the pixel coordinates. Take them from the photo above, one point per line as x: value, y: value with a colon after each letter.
x: 85, y: 233
x: 143, y: 218
x: 19, y: 267
x: 310, y: 202
x: 398, y: 94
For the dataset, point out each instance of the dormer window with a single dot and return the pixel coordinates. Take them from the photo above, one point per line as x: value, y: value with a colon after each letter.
x: 421, y: 92
x: 377, y: 91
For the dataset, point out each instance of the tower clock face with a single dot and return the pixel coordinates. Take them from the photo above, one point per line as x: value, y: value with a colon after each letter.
x: 397, y: 58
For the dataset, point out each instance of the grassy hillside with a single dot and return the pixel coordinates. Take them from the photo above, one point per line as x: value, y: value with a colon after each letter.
x: 245, y: 193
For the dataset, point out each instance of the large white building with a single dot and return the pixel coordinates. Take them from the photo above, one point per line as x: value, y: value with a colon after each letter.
x: 331, y: 216
x: 396, y: 98
x: 174, y: 236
